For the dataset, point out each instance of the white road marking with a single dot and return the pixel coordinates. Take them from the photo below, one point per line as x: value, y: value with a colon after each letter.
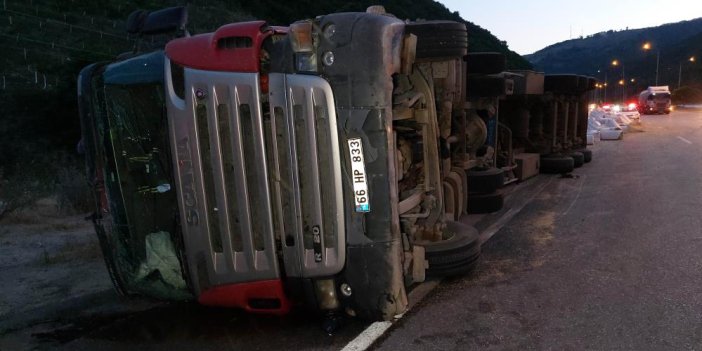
x: 580, y: 190
x: 368, y: 336
x: 685, y: 140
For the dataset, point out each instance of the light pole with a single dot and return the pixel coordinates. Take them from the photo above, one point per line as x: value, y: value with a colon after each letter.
x: 605, y: 89
x: 633, y: 86
x: 616, y: 63
x: 691, y: 59
x: 647, y: 46
x: 602, y: 86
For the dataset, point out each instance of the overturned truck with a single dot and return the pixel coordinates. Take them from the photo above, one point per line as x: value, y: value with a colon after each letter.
x: 327, y: 163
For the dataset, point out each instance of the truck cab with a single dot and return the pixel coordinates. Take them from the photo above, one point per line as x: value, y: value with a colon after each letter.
x: 655, y: 100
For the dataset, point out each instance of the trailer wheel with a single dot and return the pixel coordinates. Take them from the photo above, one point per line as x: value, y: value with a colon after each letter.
x: 485, y: 203
x: 485, y: 62
x: 587, y: 155
x: 485, y: 180
x: 556, y: 164
x: 583, y: 84
x: 457, y: 254
x: 457, y: 269
x: 439, y: 39
x: 486, y: 86
x: 578, y: 159
x: 467, y: 253
x: 562, y: 84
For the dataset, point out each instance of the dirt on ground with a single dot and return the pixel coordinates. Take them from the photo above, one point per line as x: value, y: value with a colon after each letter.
x: 46, y: 258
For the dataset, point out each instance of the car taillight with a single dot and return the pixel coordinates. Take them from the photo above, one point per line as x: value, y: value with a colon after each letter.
x: 632, y: 106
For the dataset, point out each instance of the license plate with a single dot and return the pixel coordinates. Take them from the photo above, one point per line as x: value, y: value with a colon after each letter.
x: 358, y: 175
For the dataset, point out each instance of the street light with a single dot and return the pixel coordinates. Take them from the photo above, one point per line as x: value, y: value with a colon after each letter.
x: 647, y: 46
x: 615, y: 63
x: 692, y: 60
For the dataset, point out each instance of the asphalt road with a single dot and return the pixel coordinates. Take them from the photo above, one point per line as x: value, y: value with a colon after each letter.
x: 608, y: 259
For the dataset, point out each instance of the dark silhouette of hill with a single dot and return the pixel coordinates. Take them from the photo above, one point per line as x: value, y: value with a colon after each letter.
x: 674, y: 43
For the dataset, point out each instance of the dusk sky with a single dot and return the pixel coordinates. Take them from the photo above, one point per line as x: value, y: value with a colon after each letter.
x: 530, y: 26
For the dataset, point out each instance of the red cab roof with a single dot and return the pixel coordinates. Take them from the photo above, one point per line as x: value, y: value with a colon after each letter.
x: 233, y: 47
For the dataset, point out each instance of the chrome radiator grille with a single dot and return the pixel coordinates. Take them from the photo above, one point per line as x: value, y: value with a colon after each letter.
x: 253, y: 186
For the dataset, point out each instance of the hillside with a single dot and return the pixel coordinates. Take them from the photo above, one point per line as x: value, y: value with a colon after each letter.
x: 675, y: 43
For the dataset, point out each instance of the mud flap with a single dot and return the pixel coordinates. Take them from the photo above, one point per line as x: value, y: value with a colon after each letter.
x: 376, y: 281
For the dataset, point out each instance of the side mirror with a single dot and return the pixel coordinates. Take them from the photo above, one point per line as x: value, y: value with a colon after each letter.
x: 164, y: 21
x: 135, y: 21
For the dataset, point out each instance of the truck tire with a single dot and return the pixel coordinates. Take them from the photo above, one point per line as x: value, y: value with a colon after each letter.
x: 583, y: 84
x: 439, y: 39
x: 568, y: 84
x: 485, y: 180
x: 556, y: 164
x: 485, y: 86
x: 591, y: 83
x: 485, y: 62
x: 457, y: 269
x: 587, y: 155
x: 485, y: 203
x: 578, y: 159
x: 457, y: 254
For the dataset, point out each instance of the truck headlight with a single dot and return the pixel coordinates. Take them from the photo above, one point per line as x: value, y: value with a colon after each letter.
x: 301, y: 37
x: 302, y: 41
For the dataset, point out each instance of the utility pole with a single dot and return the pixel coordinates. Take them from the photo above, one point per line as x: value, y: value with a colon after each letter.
x: 605, y: 88
x: 658, y: 59
x: 647, y: 46
x: 623, y: 86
